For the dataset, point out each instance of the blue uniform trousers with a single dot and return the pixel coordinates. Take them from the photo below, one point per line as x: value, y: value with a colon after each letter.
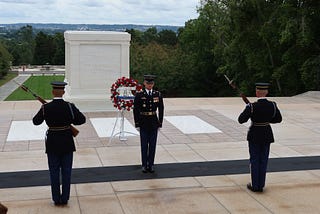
x: 148, y: 140
x: 60, y: 164
x: 259, y: 154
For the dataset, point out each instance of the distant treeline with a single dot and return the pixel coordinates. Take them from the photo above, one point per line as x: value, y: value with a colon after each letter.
x: 250, y: 41
x: 51, y: 28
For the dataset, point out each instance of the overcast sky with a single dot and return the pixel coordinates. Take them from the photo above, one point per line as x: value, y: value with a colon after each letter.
x: 150, y: 12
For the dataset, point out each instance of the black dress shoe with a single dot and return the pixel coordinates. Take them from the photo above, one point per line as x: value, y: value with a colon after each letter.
x: 63, y: 203
x: 151, y: 169
x: 249, y: 186
x: 144, y: 169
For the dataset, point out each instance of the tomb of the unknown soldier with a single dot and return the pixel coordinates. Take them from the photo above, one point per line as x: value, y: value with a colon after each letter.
x: 94, y: 60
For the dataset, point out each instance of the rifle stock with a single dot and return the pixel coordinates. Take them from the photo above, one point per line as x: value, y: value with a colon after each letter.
x: 74, y: 130
x: 244, y: 98
x: 41, y: 100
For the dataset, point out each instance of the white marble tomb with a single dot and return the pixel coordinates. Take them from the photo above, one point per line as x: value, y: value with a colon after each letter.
x: 94, y: 61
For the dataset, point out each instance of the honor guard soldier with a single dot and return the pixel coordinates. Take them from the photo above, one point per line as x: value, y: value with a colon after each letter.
x: 260, y: 136
x: 148, y: 116
x: 59, y: 115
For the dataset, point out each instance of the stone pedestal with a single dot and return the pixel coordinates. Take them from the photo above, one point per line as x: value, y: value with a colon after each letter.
x: 94, y: 61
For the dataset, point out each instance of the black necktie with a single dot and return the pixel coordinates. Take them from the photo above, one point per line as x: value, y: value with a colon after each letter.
x: 149, y: 93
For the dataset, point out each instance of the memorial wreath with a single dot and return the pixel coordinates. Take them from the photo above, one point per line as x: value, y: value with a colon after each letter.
x: 124, y: 101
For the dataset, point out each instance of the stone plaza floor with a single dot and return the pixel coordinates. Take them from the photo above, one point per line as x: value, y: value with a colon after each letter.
x: 201, y: 161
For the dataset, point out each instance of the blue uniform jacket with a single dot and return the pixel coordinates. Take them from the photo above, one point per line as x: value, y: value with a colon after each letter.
x: 57, y: 113
x: 262, y: 113
x: 144, y: 103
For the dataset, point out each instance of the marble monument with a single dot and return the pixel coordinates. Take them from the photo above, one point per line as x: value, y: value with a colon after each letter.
x: 94, y: 61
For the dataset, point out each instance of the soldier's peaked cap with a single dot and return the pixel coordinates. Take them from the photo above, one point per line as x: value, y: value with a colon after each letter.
x: 149, y: 77
x: 262, y: 85
x: 58, y: 85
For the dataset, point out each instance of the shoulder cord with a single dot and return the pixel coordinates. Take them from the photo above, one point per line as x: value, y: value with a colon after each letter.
x: 274, y: 110
x: 71, y: 111
x: 45, y: 138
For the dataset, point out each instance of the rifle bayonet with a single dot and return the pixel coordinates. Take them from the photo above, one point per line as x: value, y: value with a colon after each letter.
x: 244, y: 98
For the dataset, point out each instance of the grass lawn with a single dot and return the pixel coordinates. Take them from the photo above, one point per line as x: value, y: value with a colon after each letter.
x: 7, y: 78
x: 39, y: 85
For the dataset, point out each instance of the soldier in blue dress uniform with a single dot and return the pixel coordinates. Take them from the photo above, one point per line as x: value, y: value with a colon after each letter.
x: 260, y: 135
x: 59, y: 115
x: 148, y: 116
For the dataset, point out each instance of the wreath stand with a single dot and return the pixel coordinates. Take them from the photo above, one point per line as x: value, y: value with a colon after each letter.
x: 122, y: 132
x: 122, y: 97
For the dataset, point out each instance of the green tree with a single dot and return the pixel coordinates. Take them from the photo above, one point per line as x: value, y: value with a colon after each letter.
x: 5, y: 61
x: 167, y: 37
x: 23, y: 49
x: 311, y: 73
x: 264, y: 41
x: 147, y: 59
x: 197, y: 41
x: 150, y: 35
x: 160, y: 60
x: 136, y: 36
x: 299, y: 23
x: 44, y: 49
x: 59, y: 54
x: 250, y: 55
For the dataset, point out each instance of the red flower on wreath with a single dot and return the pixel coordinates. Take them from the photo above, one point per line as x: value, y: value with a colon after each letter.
x: 121, y: 102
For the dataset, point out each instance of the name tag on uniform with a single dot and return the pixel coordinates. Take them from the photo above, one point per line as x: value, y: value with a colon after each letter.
x: 143, y: 98
x: 156, y: 99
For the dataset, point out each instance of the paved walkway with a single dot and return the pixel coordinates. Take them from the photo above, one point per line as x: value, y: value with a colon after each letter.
x: 196, y: 173
x: 11, y: 86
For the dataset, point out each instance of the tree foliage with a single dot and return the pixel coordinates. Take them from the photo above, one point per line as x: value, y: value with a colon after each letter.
x: 44, y: 49
x: 58, y: 57
x: 28, y: 48
x: 22, y: 46
x: 273, y: 41
x: 5, y: 60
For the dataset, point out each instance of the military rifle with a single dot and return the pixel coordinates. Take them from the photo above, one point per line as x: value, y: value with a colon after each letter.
x: 74, y: 131
x: 233, y: 85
